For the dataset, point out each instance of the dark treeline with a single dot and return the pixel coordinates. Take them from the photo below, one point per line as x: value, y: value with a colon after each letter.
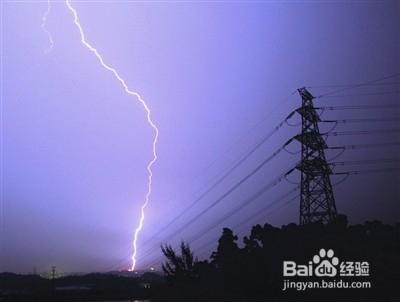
x: 250, y: 273
x: 255, y: 271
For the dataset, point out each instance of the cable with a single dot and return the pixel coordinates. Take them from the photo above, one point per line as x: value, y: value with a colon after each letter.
x: 342, y: 150
x: 242, y: 205
x: 362, y: 120
x: 271, y: 184
x: 362, y: 132
x: 362, y: 94
x: 232, y: 189
x: 225, y: 176
x: 118, y: 265
x: 253, y: 127
x: 357, y: 172
x: 367, y: 161
x: 341, y: 181
x: 350, y: 85
x: 333, y: 127
x: 252, y: 149
x: 364, y: 146
x: 347, y: 174
x: 289, y: 181
x: 356, y: 107
x: 240, y: 161
x: 360, y: 85
x: 254, y: 217
x: 230, y: 171
x: 260, y: 212
x: 291, y: 152
x: 292, y: 125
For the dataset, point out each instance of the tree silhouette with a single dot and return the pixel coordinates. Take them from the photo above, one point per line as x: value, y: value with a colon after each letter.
x: 254, y: 272
x: 181, y: 266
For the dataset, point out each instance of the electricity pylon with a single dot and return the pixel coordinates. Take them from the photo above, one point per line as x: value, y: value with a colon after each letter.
x: 317, y: 203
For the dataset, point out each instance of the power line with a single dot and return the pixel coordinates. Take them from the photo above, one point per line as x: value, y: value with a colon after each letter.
x: 346, y: 173
x: 366, y: 161
x: 243, y: 222
x: 242, y: 205
x: 365, y: 146
x: 261, y: 212
x: 118, y: 265
x: 370, y: 171
x: 271, y: 184
x: 238, y: 141
x: 359, y: 85
x: 357, y: 107
x: 362, y: 120
x: 341, y: 181
x: 224, y: 176
x: 362, y: 132
x: 256, y: 125
x: 359, y: 146
x: 234, y: 188
x: 351, y: 85
x: 363, y: 94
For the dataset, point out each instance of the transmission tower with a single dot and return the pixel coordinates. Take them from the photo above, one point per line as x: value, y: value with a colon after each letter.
x: 317, y: 203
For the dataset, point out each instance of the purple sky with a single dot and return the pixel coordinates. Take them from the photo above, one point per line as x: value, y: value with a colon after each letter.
x: 75, y: 146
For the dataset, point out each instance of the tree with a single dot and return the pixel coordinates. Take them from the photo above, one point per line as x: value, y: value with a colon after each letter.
x: 227, y: 252
x: 179, y: 267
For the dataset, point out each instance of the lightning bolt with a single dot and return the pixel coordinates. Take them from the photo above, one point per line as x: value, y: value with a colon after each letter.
x: 44, y: 28
x: 137, y: 97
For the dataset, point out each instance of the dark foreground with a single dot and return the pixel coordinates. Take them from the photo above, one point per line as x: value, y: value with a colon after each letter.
x: 91, y: 287
x: 251, y: 273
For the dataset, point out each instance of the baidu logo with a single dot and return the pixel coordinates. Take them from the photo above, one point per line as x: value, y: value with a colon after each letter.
x: 324, y: 264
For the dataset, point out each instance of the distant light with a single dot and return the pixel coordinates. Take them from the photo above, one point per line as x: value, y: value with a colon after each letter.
x: 152, y: 268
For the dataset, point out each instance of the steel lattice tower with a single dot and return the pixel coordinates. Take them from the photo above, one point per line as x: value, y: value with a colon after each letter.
x: 317, y: 203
